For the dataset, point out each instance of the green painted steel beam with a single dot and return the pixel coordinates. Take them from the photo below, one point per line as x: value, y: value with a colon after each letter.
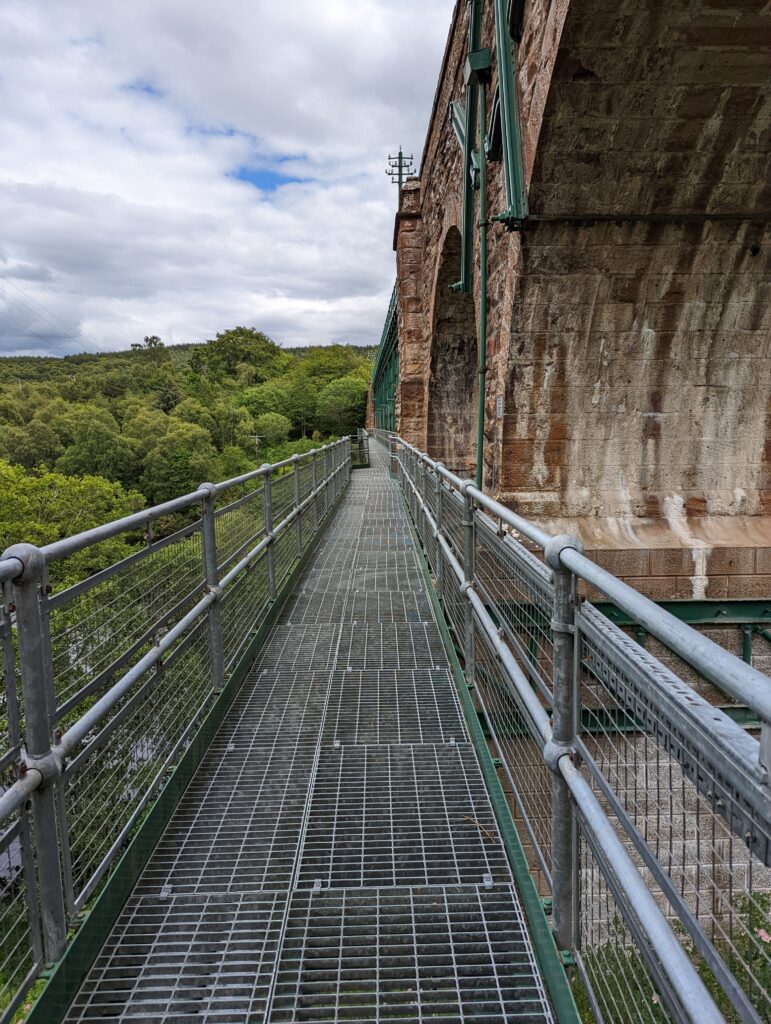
x: 701, y: 613
x: 469, y: 135
x: 457, y: 115
x: 511, y: 138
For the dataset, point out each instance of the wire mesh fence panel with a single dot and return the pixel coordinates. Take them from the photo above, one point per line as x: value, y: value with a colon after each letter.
x: 306, y: 479
x: 518, y: 588
x: 102, y: 625
x: 282, y: 496
x: 238, y: 526
x: 20, y: 950
x: 20, y: 946
x: 529, y: 781
x: 708, y: 846
x: 452, y: 521
x: 284, y: 555
x: 619, y: 984
x: 10, y: 726
x: 116, y: 773
x: 453, y: 601
x: 243, y: 607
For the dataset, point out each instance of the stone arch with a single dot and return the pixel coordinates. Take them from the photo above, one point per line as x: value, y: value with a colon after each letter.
x: 637, y: 317
x: 453, y: 384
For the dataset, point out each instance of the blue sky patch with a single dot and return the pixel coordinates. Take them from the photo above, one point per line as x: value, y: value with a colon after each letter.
x: 262, y: 178
x: 142, y: 85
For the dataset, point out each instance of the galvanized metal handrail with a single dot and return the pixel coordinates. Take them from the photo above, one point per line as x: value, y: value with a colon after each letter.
x: 589, y: 728
x: 170, y: 619
x: 715, y: 663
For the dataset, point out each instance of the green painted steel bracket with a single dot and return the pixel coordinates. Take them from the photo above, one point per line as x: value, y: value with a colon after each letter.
x: 457, y: 115
x: 511, y: 137
x: 98, y: 919
x: 469, y: 134
x: 547, y: 954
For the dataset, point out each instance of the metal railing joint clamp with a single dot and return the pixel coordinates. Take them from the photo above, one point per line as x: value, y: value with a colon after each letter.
x: 556, y: 545
x: 562, y: 627
x: 554, y: 751
x: 49, y: 767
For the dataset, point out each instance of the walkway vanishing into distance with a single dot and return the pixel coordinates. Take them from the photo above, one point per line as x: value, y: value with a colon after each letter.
x: 336, y: 856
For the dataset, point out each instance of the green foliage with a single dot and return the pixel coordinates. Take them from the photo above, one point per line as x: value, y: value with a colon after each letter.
x: 242, y: 349
x: 41, y: 508
x: 342, y: 404
x: 273, y: 427
x: 185, y: 458
x: 160, y: 420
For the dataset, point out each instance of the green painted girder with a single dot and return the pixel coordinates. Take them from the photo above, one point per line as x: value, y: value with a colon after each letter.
x: 385, y: 373
x: 701, y: 613
x: 511, y: 137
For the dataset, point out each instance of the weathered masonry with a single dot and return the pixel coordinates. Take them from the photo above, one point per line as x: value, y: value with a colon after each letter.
x: 590, y: 230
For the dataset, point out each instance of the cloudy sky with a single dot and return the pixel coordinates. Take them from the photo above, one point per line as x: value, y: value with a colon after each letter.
x: 176, y: 167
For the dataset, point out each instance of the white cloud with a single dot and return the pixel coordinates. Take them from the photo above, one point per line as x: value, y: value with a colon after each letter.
x: 122, y: 130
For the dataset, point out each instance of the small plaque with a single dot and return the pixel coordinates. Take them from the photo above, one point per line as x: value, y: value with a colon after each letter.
x: 499, y: 406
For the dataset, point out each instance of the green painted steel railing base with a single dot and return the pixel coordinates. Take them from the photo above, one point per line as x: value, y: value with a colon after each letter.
x: 65, y: 978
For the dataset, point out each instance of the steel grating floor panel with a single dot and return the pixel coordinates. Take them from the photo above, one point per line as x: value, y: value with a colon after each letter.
x: 393, y: 707
x: 391, y: 645
x: 400, y: 815
x: 186, y: 959
x: 408, y: 955
x: 335, y: 856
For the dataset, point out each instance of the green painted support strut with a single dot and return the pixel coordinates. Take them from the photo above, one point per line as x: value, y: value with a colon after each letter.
x: 513, y: 170
x: 469, y: 135
x: 478, y: 74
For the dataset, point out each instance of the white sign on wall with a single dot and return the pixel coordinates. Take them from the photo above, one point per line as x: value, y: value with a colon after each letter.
x: 499, y: 406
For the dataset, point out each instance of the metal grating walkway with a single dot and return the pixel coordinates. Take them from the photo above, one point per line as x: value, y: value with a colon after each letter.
x: 335, y: 857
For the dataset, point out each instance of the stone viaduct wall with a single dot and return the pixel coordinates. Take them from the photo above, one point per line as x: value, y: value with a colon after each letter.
x: 629, y: 324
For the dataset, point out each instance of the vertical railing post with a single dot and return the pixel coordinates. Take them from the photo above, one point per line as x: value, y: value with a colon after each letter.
x: 468, y: 580
x: 313, y: 491
x: 563, y: 738
x: 267, y: 504
x: 211, y: 571
x: 298, y: 526
x: 439, y: 571
x: 37, y: 686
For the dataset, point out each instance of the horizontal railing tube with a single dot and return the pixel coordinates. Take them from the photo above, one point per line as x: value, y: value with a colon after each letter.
x: 715, y: 663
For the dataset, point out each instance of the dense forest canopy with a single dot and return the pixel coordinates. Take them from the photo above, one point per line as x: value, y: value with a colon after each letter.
x: 89, y: 437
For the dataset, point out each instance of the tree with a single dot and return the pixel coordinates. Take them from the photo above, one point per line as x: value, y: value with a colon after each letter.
x: 303, y: 395
x: 270, y: 396
x: 182, y: 460
x: 273, y: 427
x: 97, y: 448
x: 232, y: 462
x: 331, y: 362
x: 240, y: 345
x: 146, y: 427
x: 154, y: 347
x: 342, y: 405
x: 42, y: 508
x: 35, y: 444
